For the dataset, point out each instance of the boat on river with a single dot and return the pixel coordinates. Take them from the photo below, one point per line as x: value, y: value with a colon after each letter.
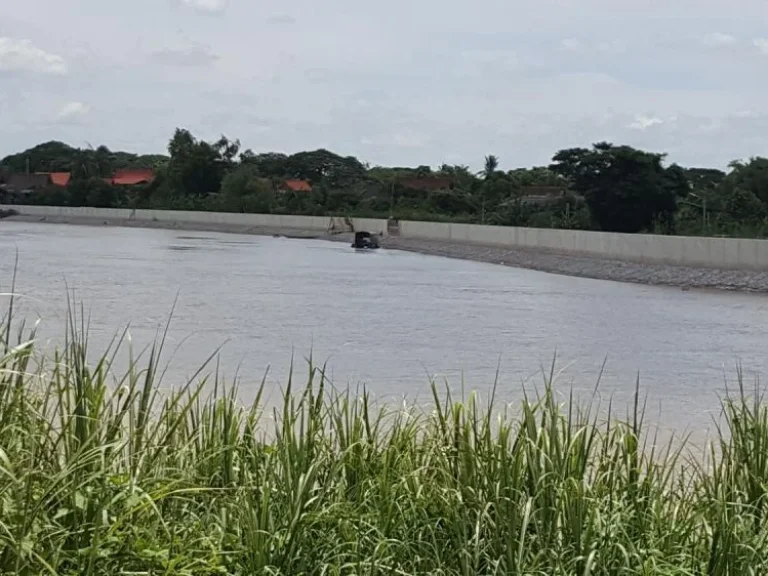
x: 365, y: 241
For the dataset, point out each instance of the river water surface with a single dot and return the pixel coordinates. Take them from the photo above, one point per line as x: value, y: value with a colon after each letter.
x: 388, y: 319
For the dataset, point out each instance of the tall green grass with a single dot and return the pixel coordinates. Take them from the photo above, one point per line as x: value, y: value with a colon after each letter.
x: 103, y: 474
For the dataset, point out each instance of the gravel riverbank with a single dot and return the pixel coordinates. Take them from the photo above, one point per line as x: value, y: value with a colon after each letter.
x: 581, y: 266
x: 590, y: 267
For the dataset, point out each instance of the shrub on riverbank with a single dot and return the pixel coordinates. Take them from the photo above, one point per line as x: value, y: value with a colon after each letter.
x: 105, y: 476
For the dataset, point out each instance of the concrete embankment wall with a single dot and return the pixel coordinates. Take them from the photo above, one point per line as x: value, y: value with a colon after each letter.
x: 726, y: 253
x: 276, y: 221
x: 271, y: 221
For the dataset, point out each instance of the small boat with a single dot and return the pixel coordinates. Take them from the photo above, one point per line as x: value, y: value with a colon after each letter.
x: 365, y: 241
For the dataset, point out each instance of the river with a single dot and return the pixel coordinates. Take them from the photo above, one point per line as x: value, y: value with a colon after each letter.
x: 388, y: 319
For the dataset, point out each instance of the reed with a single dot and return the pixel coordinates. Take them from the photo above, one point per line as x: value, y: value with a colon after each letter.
x: 102, y: 474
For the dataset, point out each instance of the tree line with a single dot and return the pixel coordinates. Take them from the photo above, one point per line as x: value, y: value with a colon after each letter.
x: 604, y: 187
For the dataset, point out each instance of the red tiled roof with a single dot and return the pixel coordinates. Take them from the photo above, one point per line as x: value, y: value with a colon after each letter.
x: 60, y: 178
x: 132, y: 176
x: 297, y: 186
x: 55, y: 178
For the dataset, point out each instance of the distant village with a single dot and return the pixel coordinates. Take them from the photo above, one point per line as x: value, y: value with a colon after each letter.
x: 199, y: 175
x: 14, y: 187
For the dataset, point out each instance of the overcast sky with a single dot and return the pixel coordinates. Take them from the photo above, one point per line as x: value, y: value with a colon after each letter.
x: 402, y: 82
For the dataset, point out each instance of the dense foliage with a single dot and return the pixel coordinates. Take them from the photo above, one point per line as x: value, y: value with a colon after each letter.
x: 103, y: 473
x: 606, y: 187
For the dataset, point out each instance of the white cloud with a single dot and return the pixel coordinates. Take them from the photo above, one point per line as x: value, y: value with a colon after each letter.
x: 644, y: 122
x: 72, y: 110
x: 206, y: 5
x: 719, y: 39
x: 22, y: 55
x: 761, y: 44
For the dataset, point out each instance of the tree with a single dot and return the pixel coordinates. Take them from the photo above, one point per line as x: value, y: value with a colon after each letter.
x: 491, y: 165
x: 751, y: 176
x: 243, y: 190
x: 452, y: 202
x: 50, y: 156
x: 105, y: 161
x: 626, y: 190
x: 84, y: 165
x: 743, y: 206
x: 704, y: 180
x: 322, y: 166
x: 100, y: 194
x: 269, y: 165
x: 536, y: 176
x: 461, y: 175
x: 423, y: 171
x: 227, y: 150
x: 196, y: 168
x: 93, y: 191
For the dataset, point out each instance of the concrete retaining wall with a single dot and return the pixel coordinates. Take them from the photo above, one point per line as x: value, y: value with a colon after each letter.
x: 276, y: 221
x: 728, y: 253
x: 680, y: 250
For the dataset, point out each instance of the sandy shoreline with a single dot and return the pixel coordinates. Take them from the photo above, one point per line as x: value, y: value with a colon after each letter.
x: 570, y: 265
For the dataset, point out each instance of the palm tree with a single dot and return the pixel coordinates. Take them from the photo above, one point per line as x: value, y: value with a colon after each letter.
x: 491, y: 165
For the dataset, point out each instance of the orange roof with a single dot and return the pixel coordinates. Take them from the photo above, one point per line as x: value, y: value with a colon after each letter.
x: 297, y: 186
x: 132, y: 176
x: 56, y: 178
x: 60, y: 178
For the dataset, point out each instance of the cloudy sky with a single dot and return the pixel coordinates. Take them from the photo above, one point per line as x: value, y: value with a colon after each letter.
x: 403, y: 82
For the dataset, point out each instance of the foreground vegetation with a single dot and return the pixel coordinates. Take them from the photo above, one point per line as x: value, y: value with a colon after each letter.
x: 604, y: 187
x: 106, y: 475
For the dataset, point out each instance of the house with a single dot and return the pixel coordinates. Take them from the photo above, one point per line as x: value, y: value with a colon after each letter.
x: 27, y: 183
x: 132, y: 177
x: 18, y: 187
x: 295, y: 186
x: 60, y: 178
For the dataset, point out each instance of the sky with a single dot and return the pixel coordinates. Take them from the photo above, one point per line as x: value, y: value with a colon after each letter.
x: 402, y: 82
